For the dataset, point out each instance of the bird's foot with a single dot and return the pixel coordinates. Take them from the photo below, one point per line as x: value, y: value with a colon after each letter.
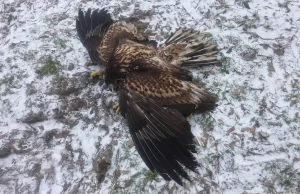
x: 117, y: 108
x: 97, y: 73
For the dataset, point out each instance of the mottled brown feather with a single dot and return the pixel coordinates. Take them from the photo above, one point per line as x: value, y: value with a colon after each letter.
x: 155, y: 92
x: 162, y: 136
x: 187, y: 47
x: 169, y: 91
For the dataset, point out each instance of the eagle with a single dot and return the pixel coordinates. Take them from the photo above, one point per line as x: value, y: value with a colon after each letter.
x: 155, y: 89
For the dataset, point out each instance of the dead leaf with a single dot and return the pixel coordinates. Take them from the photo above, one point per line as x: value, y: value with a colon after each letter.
x: 293, y: 102
x: 231, y: 112
x: 249, y: 129
x: 232, y: 144
x: 278, y: 49
x: 263, y: 135
x: 204, y: 139
x: 271, y: 68
x: 230, y: 130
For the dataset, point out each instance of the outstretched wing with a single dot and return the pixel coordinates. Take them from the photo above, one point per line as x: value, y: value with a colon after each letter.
x: 162, y: 136
x: 91, y: 28
x: 100, y: 34
x: 169, y: 90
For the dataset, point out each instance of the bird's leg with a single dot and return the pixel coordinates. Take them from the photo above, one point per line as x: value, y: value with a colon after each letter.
x: 96, y: 73
x: 117, y: 108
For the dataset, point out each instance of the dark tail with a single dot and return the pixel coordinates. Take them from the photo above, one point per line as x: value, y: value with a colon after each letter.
x: 91, y: 27
x: 208, y: 102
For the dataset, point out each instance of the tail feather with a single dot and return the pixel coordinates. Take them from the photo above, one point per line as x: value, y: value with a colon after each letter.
x: 87, y: 19
x: 181, y: 36
x: 187, y: 47
x: 204, y: 51
x: 208, y: 102
x: 91, y: 27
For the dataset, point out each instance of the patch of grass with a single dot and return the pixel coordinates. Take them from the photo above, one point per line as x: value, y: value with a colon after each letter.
x: 267, y: 26
x: 59, y: 79
x: 7, y: 80
x: 286, y: 118
x: 249, y: 23
x: 30, y: 55
x: 249, y: 53
x: 207, y: 122
x: 113, y: 192
x: 50, y: 67
x: 262, y: 106
x: 283, y: 177
x: 211, y: 38
x: 127, y: 154
x: 150, y: 176
x: 222, y: 93
x: 222, y: 5
x: 30, y: 89
x: 243, y: 3
x: 297, y: 148
x: 226, y: 61
x: 234, y: 40
x: 256, y: 16
x: 121, y: 191
x: 286, y: 182
x: 238, y: 93
x: 285, y: 5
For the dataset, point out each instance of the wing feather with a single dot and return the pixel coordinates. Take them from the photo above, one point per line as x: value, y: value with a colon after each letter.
x: 162, y: 136
x: 91, y: 27
x: 170, y: 91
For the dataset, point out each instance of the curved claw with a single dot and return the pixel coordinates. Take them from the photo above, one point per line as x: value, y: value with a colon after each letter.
x: 117, y: 108
x: 97, y: 73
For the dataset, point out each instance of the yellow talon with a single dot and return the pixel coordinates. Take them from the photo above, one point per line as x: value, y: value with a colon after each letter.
x: 96, y: 73
x: 117, y: 108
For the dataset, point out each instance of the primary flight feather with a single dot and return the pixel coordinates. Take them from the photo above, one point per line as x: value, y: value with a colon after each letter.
x: 155, y: 91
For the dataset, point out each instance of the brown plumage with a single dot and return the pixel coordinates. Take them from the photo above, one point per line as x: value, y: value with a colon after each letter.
x: 155, y: 91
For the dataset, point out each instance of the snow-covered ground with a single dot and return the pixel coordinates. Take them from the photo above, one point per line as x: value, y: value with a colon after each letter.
x: 58, y: 133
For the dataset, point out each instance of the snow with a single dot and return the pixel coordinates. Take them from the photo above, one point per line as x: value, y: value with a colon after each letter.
x: 258, y: 89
